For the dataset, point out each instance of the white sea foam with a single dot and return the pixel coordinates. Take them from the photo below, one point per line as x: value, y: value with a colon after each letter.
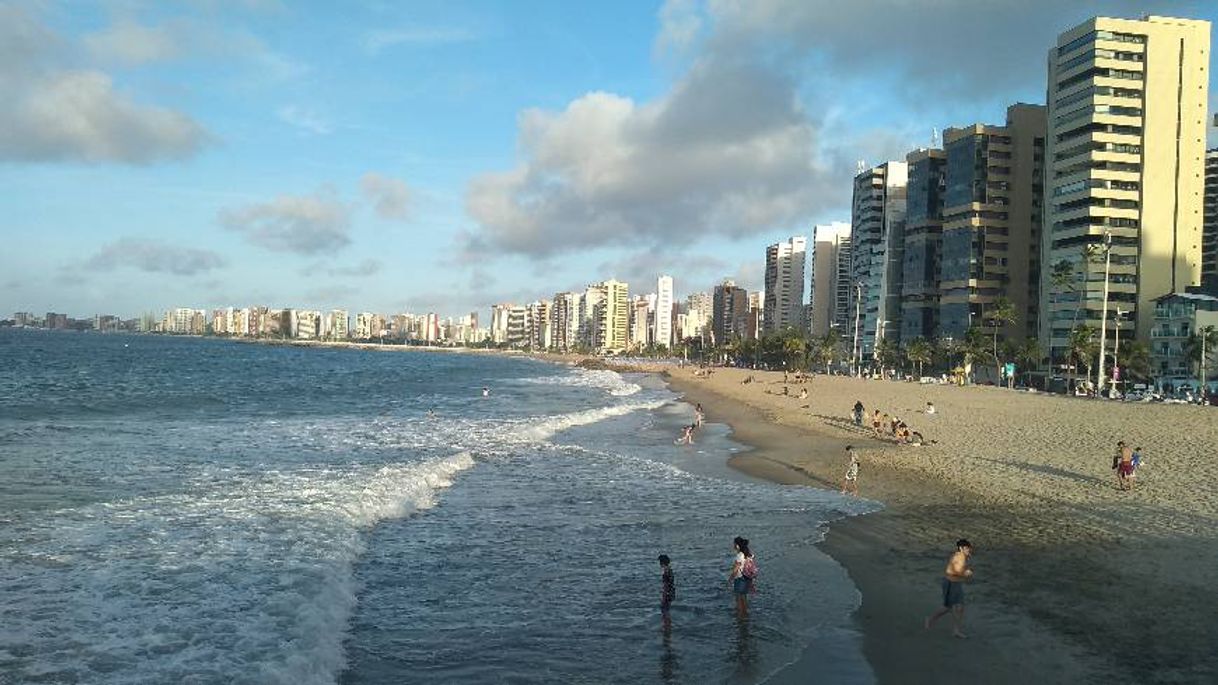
x: 244, y: 576
x: 542, y: 429
x: 609, y: 381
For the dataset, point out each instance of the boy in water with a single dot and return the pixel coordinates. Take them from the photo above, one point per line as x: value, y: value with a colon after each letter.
x: 668, y: 588
x: 954, y: 577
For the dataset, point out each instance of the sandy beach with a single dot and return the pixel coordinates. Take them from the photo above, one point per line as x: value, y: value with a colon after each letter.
x: 1076, y: 581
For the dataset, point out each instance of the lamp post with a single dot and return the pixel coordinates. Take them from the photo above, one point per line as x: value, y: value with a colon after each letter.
x: 855, y: 352
x: 1099, y: 367
x: 1116, y: 347
x: 1205, y: 333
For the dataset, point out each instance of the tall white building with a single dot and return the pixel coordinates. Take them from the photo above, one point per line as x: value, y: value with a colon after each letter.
x: 337, y: 328
x: 640, y: 316
x: 829, y: 240
x: 589, y: 323
x: 663, y: 335
x: 499, y: 323
x: 785, y: 264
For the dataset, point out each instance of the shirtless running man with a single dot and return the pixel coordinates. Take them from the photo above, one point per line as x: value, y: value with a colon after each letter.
x: 954, y: 577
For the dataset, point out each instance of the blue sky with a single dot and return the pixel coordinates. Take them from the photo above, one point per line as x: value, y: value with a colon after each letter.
x: 401, y: 156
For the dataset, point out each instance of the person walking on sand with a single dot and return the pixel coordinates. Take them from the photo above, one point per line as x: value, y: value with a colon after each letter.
x: 699, y: 415
x: 851, y: 482
x: 859, y: 410
x: 1124, y: 466
x: 743, y: 575
x: 668, y: 589
x: 952, y: 583
x: 1136, y: 461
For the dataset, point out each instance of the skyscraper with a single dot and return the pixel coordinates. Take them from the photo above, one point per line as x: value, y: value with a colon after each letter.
x: 784, y: 284
x: 992, y: 222
x: 663, y: 314
x: 923, y: 242
x: 613, y: 317
x: 877, y: 234
x: 1209, y: 234
x: 828, y: 242
x: 1127, y: 108
x: 730, y: 312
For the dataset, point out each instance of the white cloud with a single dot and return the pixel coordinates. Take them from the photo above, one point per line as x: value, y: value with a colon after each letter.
x: 131, y: 43
x: 304, y: 119
x: 389, y: 196
x: 78, y: 116
x: 375, y: 41
x: 153, y: 256
x: 52, y: 112
x: 307, y: 225
x: 728, y: 151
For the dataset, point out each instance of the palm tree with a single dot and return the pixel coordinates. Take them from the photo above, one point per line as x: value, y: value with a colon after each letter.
x: 1000, y: 315
x: 919, y: 352
x: 1027, y: 355
x: 1083, y: 347
x: 1193, y: 347
x: 793, y: 349
x: 825, y: 348
x: 1134, y: 360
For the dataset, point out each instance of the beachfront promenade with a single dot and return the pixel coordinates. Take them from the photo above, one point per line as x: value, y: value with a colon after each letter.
x: 1076, y: 579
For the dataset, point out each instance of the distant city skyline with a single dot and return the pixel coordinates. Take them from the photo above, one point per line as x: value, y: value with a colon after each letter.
x: 414, y: 157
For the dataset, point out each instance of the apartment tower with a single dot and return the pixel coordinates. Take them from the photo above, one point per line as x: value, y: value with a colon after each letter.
x: 784, y: 285
x: 829, y: 243
x: 991, y: 222
x: 1126, y: 149
x: 877, y: 230
x: 923, y: 240
x: 663, y: 315
x: 1209, y: 230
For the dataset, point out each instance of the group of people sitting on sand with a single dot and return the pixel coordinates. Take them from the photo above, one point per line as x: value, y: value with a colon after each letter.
x: 891, y: 427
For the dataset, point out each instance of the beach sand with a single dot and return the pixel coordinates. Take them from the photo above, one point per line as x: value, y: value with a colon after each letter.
x: 1076, y: 581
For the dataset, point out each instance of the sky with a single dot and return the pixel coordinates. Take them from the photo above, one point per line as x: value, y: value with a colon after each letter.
x: 420, y: 156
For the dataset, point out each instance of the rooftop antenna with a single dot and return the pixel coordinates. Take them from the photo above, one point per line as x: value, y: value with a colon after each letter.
x: 860, y: 166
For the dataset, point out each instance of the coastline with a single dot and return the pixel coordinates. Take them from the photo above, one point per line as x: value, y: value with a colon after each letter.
x: 1056, y: 600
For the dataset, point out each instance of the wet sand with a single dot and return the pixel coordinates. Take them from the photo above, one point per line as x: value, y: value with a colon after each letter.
x: 1075, y: 580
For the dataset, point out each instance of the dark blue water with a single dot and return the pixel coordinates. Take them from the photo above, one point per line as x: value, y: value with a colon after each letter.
x: 202, y: 511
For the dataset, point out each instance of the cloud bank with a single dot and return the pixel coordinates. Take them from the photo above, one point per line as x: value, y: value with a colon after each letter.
x: 153, y: 256
x: 300, y: 224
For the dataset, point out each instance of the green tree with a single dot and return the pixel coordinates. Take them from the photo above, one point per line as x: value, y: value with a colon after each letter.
x: 1083, y: 348
x: 1027, y: 355
x: 1134, y: 360
x: 1194, y: 345
x: 825, y: 348
x: 919, y: 352
x: 1000, y: 314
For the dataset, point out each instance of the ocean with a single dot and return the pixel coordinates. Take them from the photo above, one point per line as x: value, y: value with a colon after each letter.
x: 206, y: 511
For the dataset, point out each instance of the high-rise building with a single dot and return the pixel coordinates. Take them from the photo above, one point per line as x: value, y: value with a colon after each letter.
x: 640, y: 315
x: 1209, y: 232
x: 877, y: 243
x: 699, y: 313
x: 1125, y: 150
x: 589, y: 321
x: 828, y: 242
x: 540, y: 336
x: 992, y: 221
x: 923, y: 242
x: 613, y: 317
x: 754, y: 316
x: 564, y: 321
x: 663, y: 335
x: 499, y: 323
x: 730, y: 312
x: 785, y: 264
x: 518, y: 327
x: 338, y: 325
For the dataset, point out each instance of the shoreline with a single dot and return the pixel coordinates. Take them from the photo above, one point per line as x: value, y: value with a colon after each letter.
x: 1084, y: 605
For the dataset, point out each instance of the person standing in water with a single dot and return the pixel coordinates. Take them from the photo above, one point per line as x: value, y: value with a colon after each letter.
x: 954, y: 577
x: 668, y: 588
x: 743, y: 575
x: 698, y: 415
x: 851, y: 482
x: 486, y: 392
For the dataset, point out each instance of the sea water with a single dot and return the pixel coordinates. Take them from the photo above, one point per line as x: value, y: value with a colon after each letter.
x: 206, y: 511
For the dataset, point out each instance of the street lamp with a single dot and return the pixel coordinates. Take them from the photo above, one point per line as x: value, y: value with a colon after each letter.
x: 855, y: 352
x: 1116, y: 348
x: 1099, y: 367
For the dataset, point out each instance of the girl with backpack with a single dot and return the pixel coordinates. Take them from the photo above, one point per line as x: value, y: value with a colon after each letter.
x: 742, y: 575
